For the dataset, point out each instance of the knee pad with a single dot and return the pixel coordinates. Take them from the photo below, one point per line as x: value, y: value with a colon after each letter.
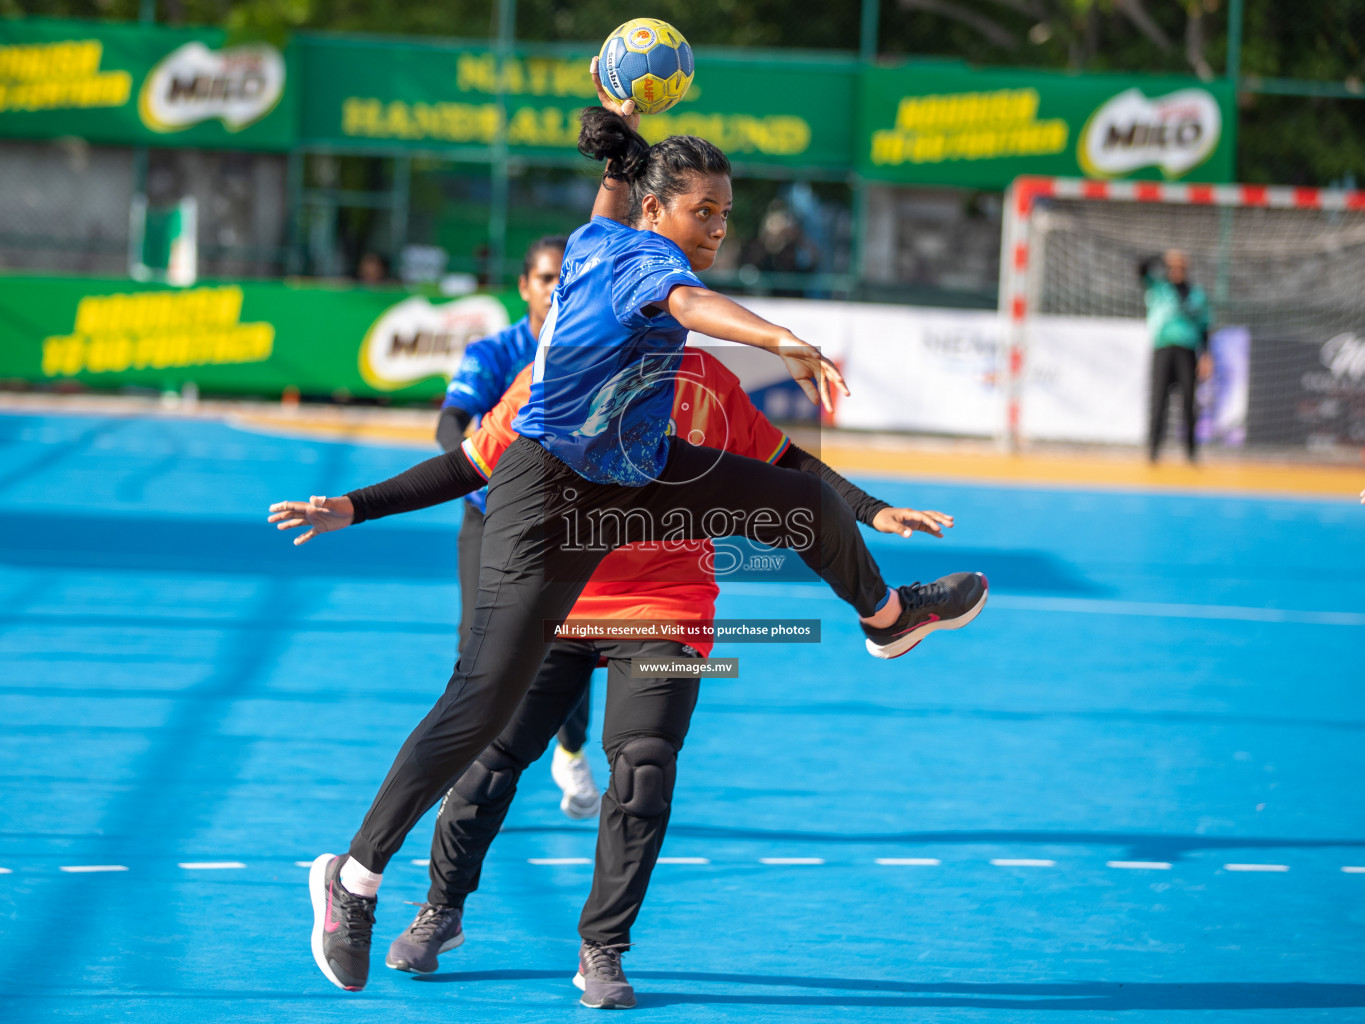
x: 488, y: 779
x: 642, y: 776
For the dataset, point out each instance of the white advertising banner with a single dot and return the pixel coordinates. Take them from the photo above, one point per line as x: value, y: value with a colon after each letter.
x: 1086, y: 379
x: 909, y: 368
x: 940, y: 371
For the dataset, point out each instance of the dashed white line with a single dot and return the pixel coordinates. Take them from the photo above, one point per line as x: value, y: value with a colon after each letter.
x: 1023, y: 862
x: 909, y: 862
x: 303, y: 863
x: 422, y: 862
x: 81, y: 869
x: 683, y: 860
x: 790, y: 860
x: 210, y: 865
x: 1350, y: 870
x: 7, y: 871
x: 554, y: 861
x: 1255, y: 867
x: 1139, y: 865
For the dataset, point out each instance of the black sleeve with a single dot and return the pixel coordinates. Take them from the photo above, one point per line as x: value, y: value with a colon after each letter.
x: 444, y: 478
x: 865, y: 507
x: 451, y: 425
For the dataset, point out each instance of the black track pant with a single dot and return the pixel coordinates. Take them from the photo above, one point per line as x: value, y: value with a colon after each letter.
x: 544, y: 534
x: 574, y: 732
x: 646, y: 723
x: 1172, y: 365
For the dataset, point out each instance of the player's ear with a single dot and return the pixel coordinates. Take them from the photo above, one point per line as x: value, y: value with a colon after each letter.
x: 523, y: 289
x: 651, y: 208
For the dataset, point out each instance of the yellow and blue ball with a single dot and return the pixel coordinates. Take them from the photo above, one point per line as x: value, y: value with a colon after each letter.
x: 649, y: 61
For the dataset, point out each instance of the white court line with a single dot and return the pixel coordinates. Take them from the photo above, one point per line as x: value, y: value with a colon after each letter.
x: 211, y: 865
x: 1255, y: 867
x: 1095, y: 606
x: 8, y: 871
x: 1098, y: 606
x: 683, y: 860
x: 551, y: 861
x: 303, y: 863
x: 909, y: 862
x: 422, y: 862
x: 791, y: 860
x: 1023, y: 863
x: 1139, y: 865
x: 80, y: 869
x: 1353, y: 870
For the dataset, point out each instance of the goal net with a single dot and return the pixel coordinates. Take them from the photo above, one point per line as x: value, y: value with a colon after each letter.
x: 1284, y: 273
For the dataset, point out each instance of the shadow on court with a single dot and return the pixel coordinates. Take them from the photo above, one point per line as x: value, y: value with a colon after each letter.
x: 1079, y: 995
x: 253, y: 547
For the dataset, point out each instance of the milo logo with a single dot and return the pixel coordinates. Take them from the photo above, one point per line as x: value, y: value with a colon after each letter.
x: 1176, y: 133
x: 417, y: 339
x: 239, y: 86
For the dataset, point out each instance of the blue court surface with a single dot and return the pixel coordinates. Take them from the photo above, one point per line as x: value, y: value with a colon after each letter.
x: 1130, y: 791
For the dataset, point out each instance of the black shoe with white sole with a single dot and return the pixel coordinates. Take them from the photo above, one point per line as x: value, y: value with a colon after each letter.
x: 342, y: 923
x: 948, y: 603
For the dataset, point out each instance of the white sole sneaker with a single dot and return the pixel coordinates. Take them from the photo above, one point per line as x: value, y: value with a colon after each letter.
x: 904, y: 644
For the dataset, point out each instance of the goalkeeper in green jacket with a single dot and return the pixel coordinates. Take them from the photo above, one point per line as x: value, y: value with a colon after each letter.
x: 1178, y: 322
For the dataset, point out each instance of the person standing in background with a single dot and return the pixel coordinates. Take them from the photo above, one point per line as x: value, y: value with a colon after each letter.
x: 487, y: 370
x: 1178, y: 322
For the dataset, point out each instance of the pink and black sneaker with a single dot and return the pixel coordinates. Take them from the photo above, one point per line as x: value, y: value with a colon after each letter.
x: 342, y: 923
x: 950, y: 602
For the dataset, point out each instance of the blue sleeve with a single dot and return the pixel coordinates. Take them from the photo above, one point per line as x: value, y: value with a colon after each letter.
x: 477, y: 383
x: 646, y: 275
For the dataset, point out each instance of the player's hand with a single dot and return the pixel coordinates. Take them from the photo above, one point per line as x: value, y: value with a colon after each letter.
x: 813, y: 372
x: 627, y: 109
x: 319, y: 514
x: 1204, y: 367
x: 906, y: 521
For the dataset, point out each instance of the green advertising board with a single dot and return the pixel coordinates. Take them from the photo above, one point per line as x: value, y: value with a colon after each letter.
x: 940, y: 125
x: 142, y: 84
x: 432, y: 97
x: 239, y: 338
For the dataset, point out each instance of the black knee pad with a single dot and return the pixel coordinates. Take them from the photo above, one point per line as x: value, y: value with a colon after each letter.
x: 642, y: 776
x: 488, y: 779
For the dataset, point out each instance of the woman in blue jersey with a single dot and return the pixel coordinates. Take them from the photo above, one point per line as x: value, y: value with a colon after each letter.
x: 485, y: 372
x: 596, y: 467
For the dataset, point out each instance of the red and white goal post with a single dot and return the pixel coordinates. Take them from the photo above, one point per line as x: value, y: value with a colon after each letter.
x: 1288, y: 264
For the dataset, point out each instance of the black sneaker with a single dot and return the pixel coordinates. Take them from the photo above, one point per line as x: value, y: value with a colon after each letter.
x: 342, y: 923
x: 600, y: 977
x: 436, y: 930
x: 948, y: 603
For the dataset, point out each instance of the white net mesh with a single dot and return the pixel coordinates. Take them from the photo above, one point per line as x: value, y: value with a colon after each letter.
x: 1286, y: 288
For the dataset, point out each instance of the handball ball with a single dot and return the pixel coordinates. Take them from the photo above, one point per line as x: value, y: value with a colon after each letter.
x: 649, y: 61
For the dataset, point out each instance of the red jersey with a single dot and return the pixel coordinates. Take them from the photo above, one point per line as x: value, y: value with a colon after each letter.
x: 664, y: 581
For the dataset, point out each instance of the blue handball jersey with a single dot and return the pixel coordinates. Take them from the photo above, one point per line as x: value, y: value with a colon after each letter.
x: 602, y: 388
x: 487, y: 370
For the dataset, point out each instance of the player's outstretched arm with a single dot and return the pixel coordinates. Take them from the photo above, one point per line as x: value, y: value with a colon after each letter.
x: 613, y: 197
x: 441, y: 479
x: 706, y: 312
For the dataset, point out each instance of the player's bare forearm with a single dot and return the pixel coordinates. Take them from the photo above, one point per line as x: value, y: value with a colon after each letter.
x: 613, y: 200
x: 706, y: 312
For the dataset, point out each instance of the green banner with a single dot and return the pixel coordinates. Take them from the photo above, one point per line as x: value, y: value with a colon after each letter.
x: 142, y: 84
x: 941, y: 125
x: 432, y: 97
x: 245, y: 338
